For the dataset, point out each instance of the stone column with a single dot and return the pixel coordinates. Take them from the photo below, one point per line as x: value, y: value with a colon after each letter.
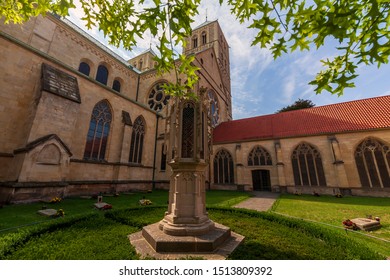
x: 338, y: 163
x: 280, y: 164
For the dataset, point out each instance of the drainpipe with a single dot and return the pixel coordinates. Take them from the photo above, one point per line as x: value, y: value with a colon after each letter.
x: 154, y: 157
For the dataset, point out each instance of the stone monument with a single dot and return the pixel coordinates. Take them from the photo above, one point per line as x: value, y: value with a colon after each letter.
x: 186, y: 227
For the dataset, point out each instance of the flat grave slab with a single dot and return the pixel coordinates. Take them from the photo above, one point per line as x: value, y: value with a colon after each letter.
x: 366, y: 224
x: 100, y: 205
x: 48, y: 212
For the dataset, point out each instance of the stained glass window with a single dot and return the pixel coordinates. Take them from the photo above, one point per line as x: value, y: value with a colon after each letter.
x: 137, y: 140
x: 157, y: 98
x: 99, y: 129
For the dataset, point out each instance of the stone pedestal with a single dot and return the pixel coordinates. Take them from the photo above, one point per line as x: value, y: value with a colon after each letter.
x: 186, y: 213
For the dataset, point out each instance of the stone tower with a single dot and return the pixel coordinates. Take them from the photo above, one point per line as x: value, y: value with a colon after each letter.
x: 209, y: 35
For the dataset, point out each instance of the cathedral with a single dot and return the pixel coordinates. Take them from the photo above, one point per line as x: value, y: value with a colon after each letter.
x: 77, y: 119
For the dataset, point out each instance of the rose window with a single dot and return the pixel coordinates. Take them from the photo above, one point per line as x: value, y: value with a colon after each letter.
x: 157, y: 98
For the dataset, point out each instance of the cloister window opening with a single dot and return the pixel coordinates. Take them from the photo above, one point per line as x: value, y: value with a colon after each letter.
x: 307, y: 166
x: 223, y: 168
x: 259, y: 156
x: 372, y: 159
x: 98, y: 132
x: 137, y: 140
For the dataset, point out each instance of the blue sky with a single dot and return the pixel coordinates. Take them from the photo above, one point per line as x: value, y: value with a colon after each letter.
x: 261, y: 85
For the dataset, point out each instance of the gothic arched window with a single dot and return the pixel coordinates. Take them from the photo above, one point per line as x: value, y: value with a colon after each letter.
x: 157, y: 98
x: 223, y: 168
x: 84, y: 68
x: 137, y: 140
x: 307, y: 166
x: 259, y: 156
x: 102, y: 74
x: 214, y: 109
x: 373, y: 163
x: 99, y: 129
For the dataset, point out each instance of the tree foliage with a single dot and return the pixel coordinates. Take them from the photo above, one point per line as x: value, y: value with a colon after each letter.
x: 299, y: 104
x: 360, y: 27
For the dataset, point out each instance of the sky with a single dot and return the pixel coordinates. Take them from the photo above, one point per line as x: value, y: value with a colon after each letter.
x: 260, y: 84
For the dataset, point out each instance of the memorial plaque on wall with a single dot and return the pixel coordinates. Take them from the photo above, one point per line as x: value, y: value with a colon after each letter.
x: 60, y: 83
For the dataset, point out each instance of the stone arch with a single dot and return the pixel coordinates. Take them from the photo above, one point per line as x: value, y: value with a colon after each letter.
x: 259, y: 156
x: 223, y: 167
x: 307, y: 166
x: 99, y: 131
x: 372, y: 159
x: 137, y: 140
x: 50, y: 154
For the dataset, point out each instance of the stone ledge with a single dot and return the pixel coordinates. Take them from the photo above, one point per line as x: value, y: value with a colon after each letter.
x: 215, y: 245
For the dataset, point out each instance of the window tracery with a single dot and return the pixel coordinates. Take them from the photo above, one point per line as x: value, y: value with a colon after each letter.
x: 157, y: 98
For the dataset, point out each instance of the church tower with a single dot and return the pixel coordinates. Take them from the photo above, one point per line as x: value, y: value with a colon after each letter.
x: 209, y: 35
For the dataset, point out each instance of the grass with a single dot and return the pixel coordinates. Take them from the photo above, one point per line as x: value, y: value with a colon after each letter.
x: 19, y: 215
x: 103, y: 234
x: 333, y: 211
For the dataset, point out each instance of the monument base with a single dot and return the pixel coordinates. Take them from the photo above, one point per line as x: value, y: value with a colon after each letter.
x: 218, y: 243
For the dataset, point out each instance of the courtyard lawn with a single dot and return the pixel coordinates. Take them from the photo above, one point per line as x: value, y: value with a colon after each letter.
x: 17, y: 216
x: 333, y: 211
x: 24, y: 234
x: 103, y: 235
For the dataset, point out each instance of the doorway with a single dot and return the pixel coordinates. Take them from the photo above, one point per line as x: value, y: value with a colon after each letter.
x: 261, y: 180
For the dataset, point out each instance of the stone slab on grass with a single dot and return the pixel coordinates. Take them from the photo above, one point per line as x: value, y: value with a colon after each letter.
x: 100, y: 205
x: 48, y: 212
x: 366, y: 224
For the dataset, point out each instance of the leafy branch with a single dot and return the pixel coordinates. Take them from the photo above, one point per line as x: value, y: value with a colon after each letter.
x: 361, y: 28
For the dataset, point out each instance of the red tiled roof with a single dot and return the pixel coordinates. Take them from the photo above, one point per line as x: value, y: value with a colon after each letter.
x: 365, y: 114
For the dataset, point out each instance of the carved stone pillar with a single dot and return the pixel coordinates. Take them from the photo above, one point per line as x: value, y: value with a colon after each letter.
x: 186, y: 226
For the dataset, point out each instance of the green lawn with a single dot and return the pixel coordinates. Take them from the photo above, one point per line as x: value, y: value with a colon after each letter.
x: 21, y: 215
x: 24, y: 234
x: 333, y: 211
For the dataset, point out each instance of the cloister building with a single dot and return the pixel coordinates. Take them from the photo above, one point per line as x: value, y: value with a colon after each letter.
x: 77, y: 119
